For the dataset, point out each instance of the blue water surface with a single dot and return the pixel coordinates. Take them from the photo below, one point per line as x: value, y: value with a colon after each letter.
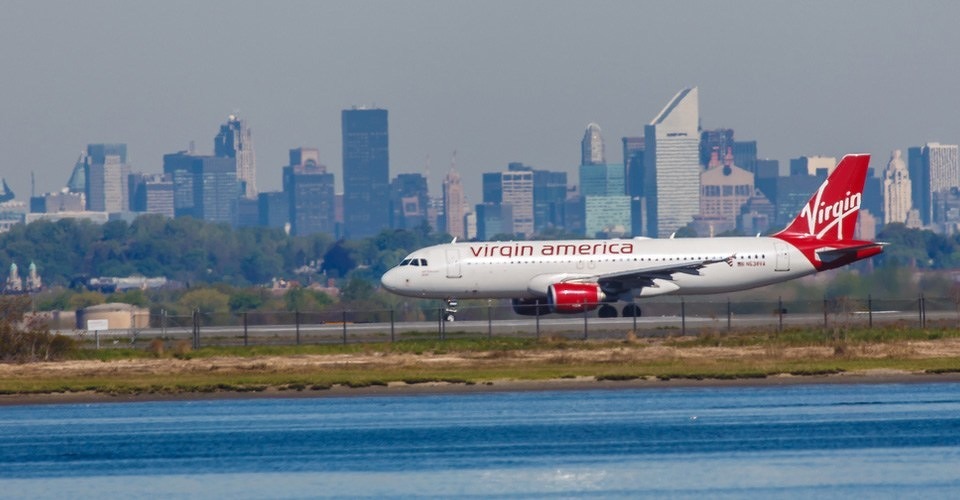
x: 891, y: 440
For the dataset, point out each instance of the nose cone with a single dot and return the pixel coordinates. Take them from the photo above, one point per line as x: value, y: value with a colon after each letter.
x: 392, y: 281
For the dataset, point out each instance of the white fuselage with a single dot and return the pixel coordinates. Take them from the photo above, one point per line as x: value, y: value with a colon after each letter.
x: 524, y: 269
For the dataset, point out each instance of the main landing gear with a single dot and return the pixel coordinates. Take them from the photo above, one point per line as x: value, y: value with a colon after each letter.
x: 631, y: 311
x: 450, y: 310
x: 609, y: 311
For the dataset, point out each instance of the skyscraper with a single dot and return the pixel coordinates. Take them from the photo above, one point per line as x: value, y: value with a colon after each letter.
x: 454, y: 204
x: 896, y: 190
x: 591, y: 147
x: 204, y: 187
x: 602, y: 180
x: 672, y: 165
x: 409, y: 201
x: 518, y: 193
x: 933, y: 168
x: 310, y: 189
x: 366, y: 172
x: 235, y: 140
x: 105, y: 173
x: 633, y: 151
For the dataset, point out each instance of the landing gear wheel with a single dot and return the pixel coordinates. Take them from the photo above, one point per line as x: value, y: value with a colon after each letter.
x: 607, y: 311
x: 631, y: 311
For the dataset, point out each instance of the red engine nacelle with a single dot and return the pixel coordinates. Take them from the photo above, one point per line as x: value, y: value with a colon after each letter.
x: 572, y: 298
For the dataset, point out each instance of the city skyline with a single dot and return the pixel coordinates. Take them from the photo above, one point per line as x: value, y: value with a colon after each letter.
x: 496, y: 88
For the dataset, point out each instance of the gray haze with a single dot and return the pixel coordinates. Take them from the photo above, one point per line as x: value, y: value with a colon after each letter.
x: 497, y: 81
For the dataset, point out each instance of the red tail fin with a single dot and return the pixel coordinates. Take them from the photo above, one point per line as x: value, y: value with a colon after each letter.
x: 831, y: 214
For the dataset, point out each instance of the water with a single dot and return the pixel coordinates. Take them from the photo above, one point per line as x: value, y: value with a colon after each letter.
x: 796, y: 441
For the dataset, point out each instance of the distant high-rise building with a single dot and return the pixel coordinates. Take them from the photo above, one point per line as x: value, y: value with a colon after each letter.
x: 745, y: 155
x: 151, y: 193
x: 410, y: 202
x: 492, y: 187
x: 633, y: 151
x: 217, y: 189
x: 273, y: 209
x: 366, y: 172
x: 714, y: 142
x: 454, y: 204
x: 602, y: 180
x: 60, y: 201
x: 591, y: 147
x: 310, y: 189
x: 204, y: 187
x: 537, y: 196
x: 724, y: 190
x: 897, y: 191
x: 933, y: 168
x: 235, y: 140
x: 78, y: 177
x: 494, y: 219
x: 672, y: 165
x: 549, y: 195
x: 606, y: 216
x: 105, y: 173
x: 518, y: 193
x: 812, y: 165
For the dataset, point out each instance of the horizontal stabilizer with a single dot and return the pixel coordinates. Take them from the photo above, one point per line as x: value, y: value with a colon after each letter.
x: 831, y: 255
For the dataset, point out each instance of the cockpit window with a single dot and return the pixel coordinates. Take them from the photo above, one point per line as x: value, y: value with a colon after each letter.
x: 423, y: 262
x: 414, y: 262
x: 405, y: 262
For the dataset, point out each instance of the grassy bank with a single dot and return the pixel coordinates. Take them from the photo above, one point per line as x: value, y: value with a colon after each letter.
x: 168, y: 368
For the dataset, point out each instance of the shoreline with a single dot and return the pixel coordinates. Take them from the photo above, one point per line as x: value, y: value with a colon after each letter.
x: 881, y: 376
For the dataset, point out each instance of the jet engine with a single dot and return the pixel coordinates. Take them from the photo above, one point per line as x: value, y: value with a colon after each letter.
x: 573, y: 298
x: 531, y: 307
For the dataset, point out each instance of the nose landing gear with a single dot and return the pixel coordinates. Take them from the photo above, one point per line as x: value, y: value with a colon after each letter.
x: 450, y: 310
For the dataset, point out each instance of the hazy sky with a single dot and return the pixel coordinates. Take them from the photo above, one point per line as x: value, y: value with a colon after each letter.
x: 497, y: 81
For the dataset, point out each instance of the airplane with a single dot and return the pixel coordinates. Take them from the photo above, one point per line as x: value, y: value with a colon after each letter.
x: 576, y: 276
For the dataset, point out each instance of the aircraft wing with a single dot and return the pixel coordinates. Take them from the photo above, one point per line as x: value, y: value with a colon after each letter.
x: 644, y: 277
x: 619, y: 282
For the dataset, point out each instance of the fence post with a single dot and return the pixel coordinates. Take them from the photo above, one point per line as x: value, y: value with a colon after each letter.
x: 825, y: 305
x: 440, y: 323
x: 392, y: 331
x: 489, y: 321
x: 729, y: 316
x: 296, y: 320
x: 921, y: 305
x: 537, y: 310
x: 683, y: 317
x: 344, y: 317
x: 196, y: 328
x: 920, y: 310
x: 869, y: 311
x: 585, y: 320
x: 780, y: 314
x: 245, y: 338
x: 163, y: 323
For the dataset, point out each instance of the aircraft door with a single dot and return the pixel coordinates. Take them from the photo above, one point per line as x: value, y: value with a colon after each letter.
x: 783, y: 257
x: 453, y: 264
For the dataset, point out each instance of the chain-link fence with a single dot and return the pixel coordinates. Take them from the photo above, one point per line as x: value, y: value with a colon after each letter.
x: 660, y: 317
